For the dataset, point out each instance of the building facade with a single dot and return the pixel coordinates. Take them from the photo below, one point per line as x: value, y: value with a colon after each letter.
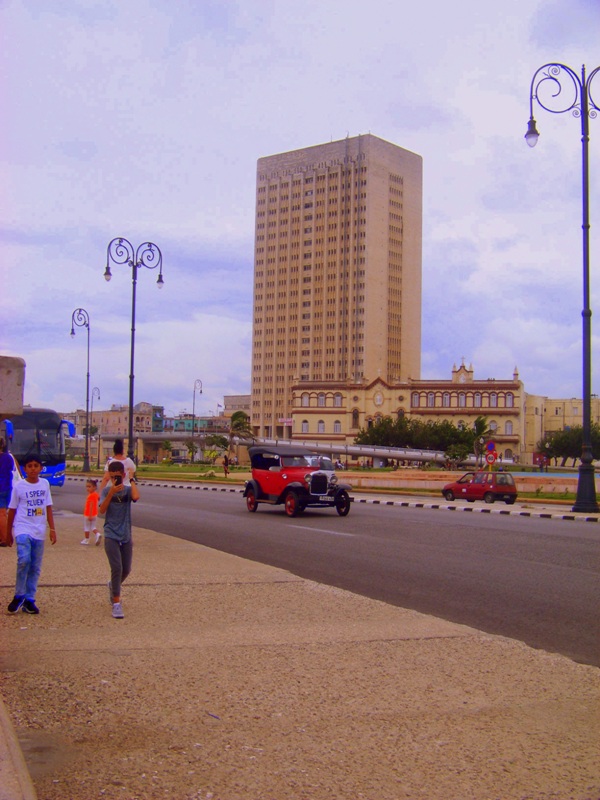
x: 237, y: 402
x: 337, y: 413
x: 337, y: 274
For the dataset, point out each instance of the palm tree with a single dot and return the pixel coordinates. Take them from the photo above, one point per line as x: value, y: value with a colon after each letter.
x: 481, y: 432
x: 239, y: 427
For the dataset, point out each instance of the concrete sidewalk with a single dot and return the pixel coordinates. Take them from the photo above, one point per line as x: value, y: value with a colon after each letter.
x: 229, y: 679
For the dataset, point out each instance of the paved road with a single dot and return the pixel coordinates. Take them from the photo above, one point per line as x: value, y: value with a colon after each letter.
x: 536, y: 580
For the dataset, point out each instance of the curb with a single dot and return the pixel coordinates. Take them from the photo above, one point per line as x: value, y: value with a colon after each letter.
x: 16, y: 783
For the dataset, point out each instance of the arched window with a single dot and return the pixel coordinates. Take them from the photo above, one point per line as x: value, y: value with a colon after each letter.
x: 400, y: 413
x: 493, y: 426
x: 462, y: 400
x: 493, y: 400
x: 320, y: 426
x: 510, y: 400
x: 305, y: 399
x: 430, y: 400
x: 337, y: 426
x: 414, y: 400
x: 508, y: 427
x: 304, y: 426
x: 477, y: 400
x: 337, y: 400
x: 321, y: 400
x: 446, y: 399
x: 355, y: 418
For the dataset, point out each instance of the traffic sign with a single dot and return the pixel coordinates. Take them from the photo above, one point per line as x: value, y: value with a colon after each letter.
x: 490, y: 458
x: 490, y: 446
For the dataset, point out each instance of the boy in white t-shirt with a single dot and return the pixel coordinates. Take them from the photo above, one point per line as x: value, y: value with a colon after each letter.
x: 29, y: 510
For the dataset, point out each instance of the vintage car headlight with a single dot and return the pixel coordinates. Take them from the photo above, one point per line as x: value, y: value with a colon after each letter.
x: 307, y: 477
x: 333, y: 480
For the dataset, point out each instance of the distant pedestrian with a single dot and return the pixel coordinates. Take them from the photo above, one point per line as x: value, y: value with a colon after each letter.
x: 119, y: 455
x: 115, y: 504
x: 29, y: 509
x: 226, y: 465
x: 7, y: 465
x: 90, y: 512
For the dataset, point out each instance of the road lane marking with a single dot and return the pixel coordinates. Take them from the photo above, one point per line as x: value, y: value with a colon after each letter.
x: 322, y: 530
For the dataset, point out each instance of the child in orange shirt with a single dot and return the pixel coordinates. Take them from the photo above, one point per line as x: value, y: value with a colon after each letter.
x: 90, y: 512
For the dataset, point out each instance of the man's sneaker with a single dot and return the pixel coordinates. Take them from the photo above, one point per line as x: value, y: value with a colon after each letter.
x: 29, y: 607
x: 117, y: 611
x: 84, y: 541
x: 110, y: 594
x: 98, y: 537
x: 15, y: 604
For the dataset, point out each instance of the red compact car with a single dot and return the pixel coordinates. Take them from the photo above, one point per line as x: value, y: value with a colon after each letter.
x: 486, y: 486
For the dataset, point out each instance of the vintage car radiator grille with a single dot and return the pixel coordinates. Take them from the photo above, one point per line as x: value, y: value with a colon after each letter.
x: 318, y: 483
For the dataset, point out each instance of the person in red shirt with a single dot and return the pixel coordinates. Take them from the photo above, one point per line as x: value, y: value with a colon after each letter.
x: 90, y: 512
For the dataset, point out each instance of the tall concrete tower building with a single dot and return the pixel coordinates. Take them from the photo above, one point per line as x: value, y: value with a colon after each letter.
x: 337, y: 274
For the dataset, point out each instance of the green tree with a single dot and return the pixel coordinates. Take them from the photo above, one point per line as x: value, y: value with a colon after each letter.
x: 239, y: 427
x: 191, y: 447
x: 480, y: 430
x: 217, y: 440
x: 567, y: 443
x: 417, y: 434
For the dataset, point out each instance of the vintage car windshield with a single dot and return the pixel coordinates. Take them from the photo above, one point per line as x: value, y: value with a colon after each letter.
x: 322, y: 462
x: 295, y: 461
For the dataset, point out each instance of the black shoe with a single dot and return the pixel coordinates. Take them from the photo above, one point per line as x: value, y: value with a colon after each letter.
x: 15, y: 604
x: 29, y: 607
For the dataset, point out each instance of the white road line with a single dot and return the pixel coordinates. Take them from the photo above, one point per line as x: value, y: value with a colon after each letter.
x: 322, y: 530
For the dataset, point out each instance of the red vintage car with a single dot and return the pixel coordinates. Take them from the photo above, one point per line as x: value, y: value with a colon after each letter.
x: 486, y: 486
x: 295, y: 477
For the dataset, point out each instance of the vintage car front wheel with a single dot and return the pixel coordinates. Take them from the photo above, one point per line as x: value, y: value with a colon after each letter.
x: 251, y: 503
x: 342, y: 503
x: 292, y: 504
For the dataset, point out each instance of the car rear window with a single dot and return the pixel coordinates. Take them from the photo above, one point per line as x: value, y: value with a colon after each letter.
x: 505, y: 480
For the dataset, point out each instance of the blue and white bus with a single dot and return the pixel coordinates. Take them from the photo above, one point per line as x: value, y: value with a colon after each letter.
x: 40, y: 431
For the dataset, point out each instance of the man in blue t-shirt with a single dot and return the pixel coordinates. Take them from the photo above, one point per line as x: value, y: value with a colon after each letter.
x: 115, y: 504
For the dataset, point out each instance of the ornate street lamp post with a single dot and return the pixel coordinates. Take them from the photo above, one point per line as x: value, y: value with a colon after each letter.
x: 197, y: 387
x: 95, y: 393
x: 121, y: 251
x: 81, y: 319
x: 574, y: 94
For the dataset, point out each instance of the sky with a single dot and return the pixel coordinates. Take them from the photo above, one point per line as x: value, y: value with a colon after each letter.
x: 144, y: 119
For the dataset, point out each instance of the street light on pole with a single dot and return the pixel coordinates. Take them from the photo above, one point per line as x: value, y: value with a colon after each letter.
x: 81, y: 319
x: 95, y: 393
x: 121, y: 251
x: 197, y: 386
x: 548, y: 83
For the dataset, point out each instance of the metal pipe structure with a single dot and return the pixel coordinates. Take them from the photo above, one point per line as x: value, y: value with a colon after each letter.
x: 81, y: 319
x: 197, y: 386
x: 121, y: 251
x: 559, y: 89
